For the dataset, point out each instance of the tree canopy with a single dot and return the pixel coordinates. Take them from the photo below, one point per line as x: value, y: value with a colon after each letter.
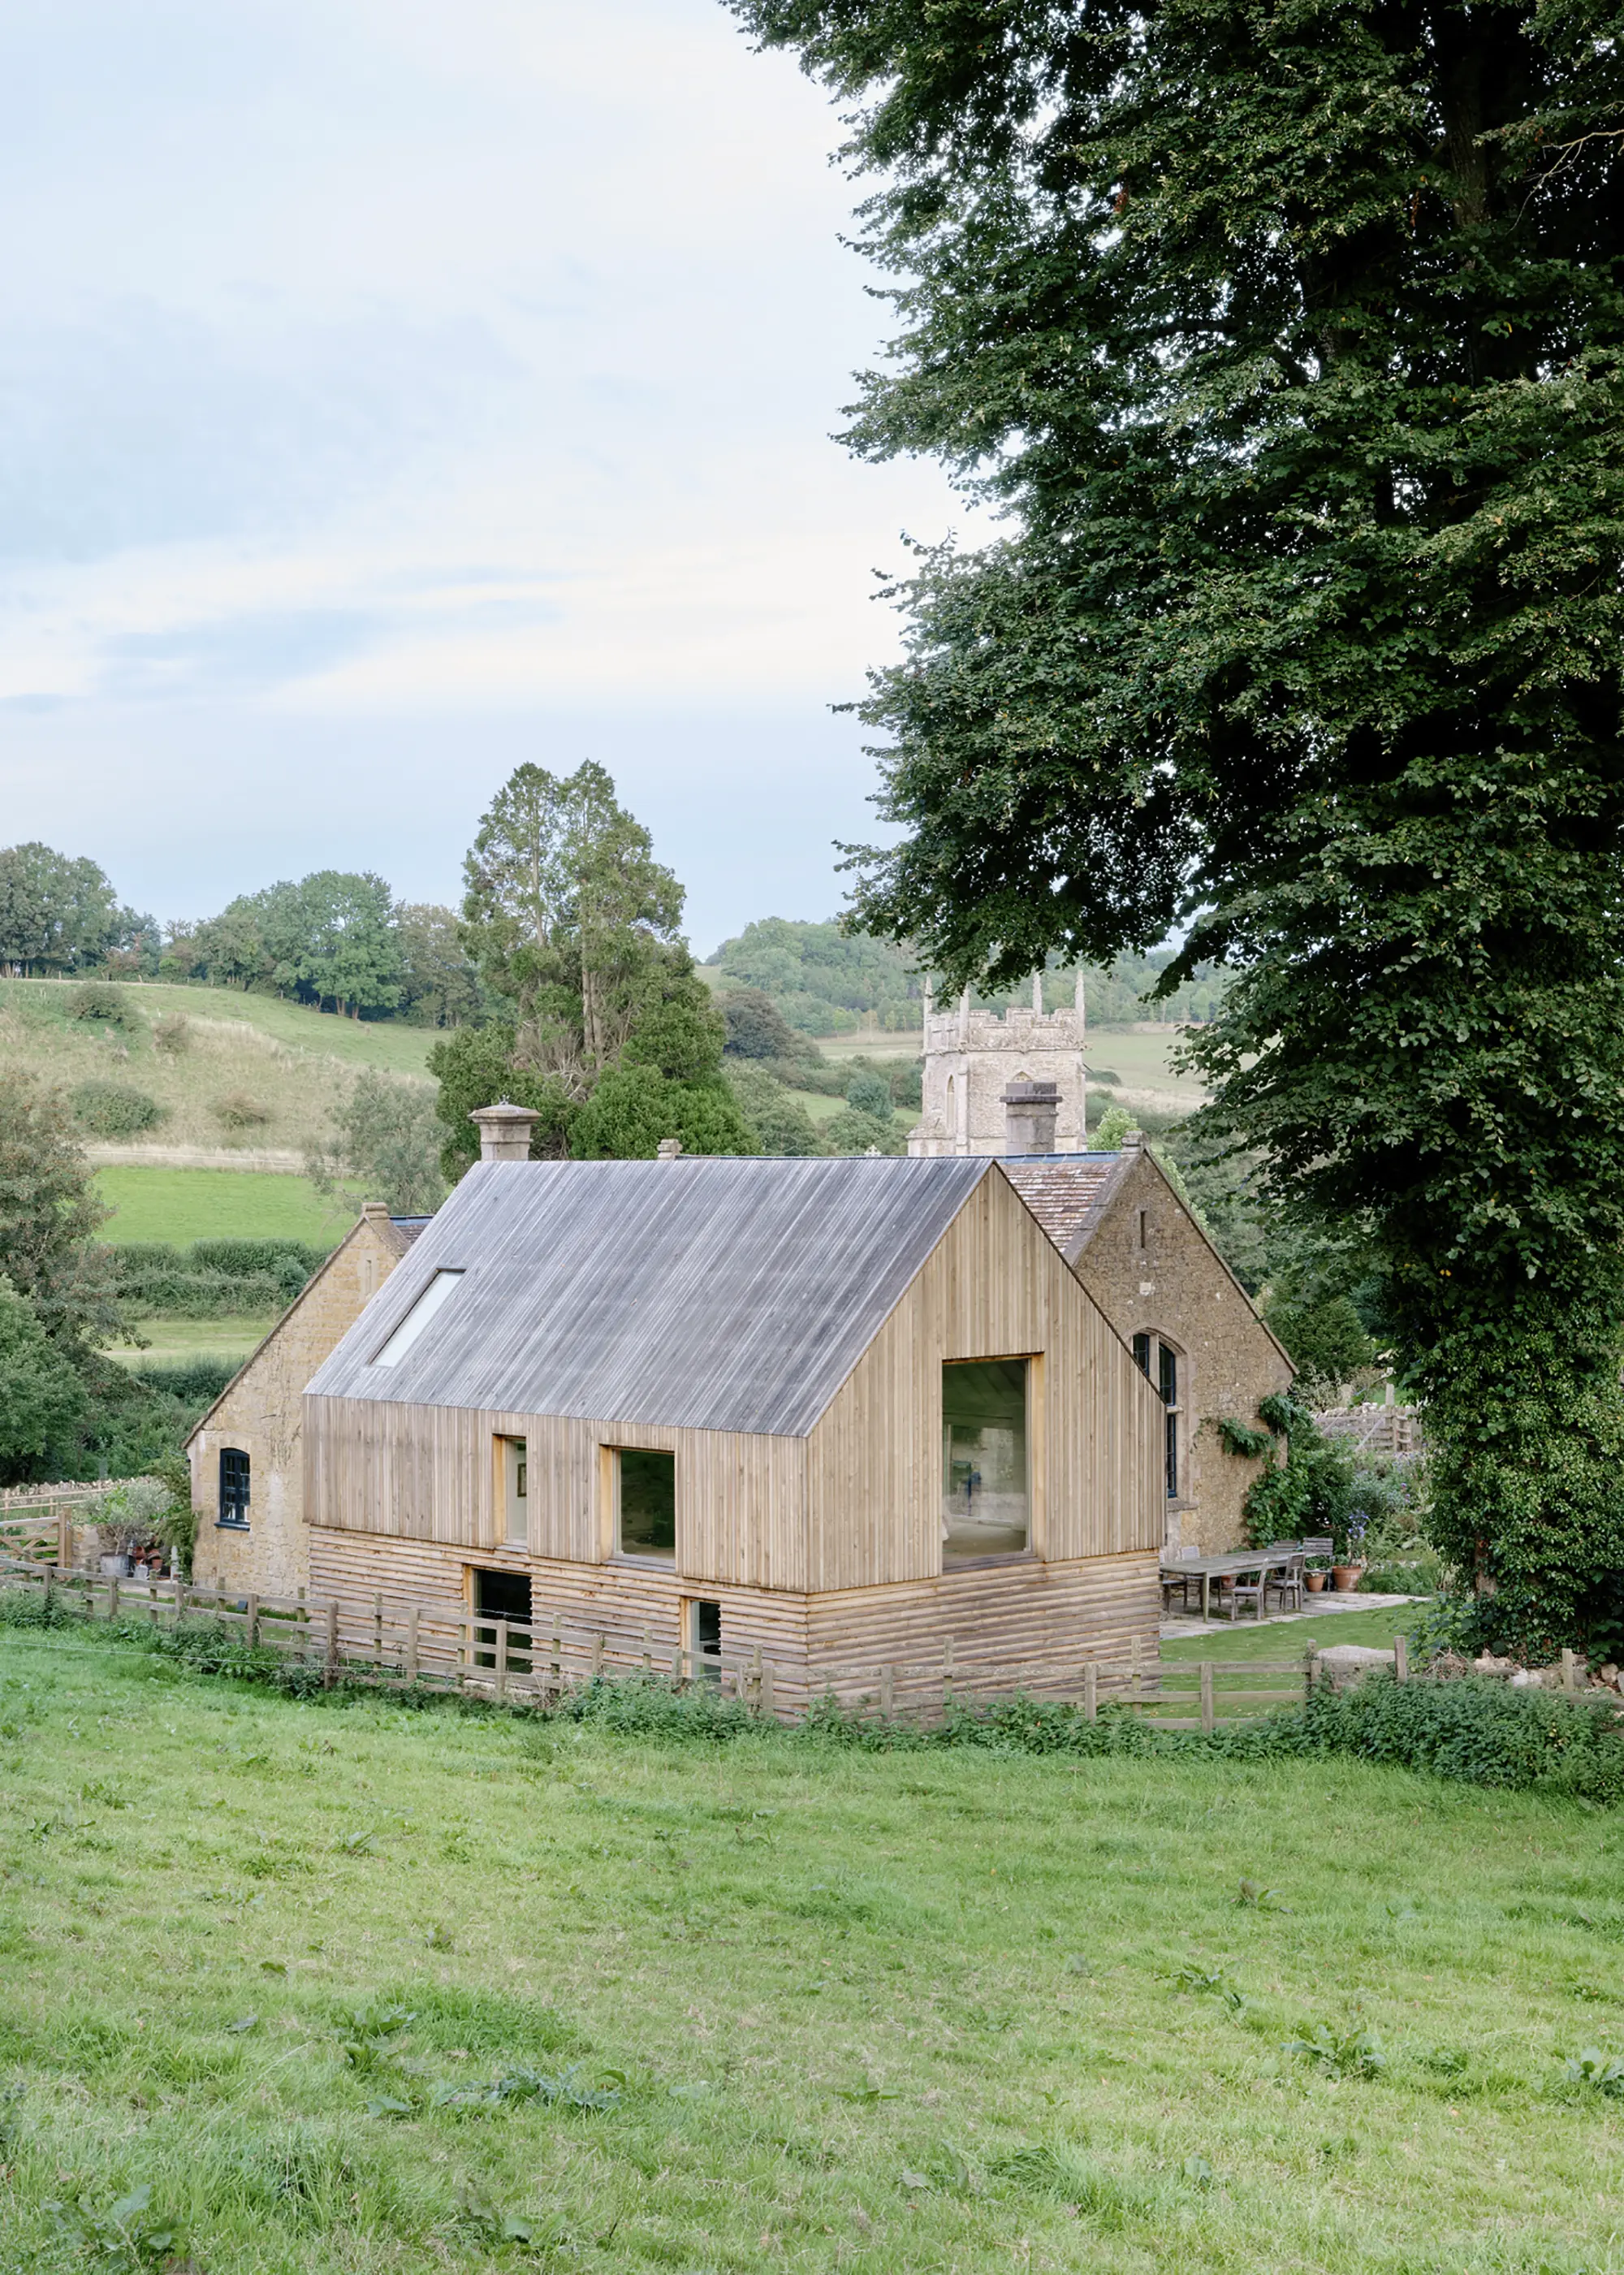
x: 1291, y: 341
x: 57, y: 913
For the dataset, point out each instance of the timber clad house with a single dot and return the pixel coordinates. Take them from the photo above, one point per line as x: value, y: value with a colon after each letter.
x: 831, y: 1411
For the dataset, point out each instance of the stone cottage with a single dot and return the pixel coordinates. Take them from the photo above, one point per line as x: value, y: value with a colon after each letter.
x: 247, y: 1453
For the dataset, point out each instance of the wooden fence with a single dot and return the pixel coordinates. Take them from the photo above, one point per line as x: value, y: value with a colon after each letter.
x: 446, y: 1647
x: 1392, y: 1431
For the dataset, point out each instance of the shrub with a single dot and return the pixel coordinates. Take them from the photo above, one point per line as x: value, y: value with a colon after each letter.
x: 871, y: 1095
x: 173, y: 1033
x: 113, y: 1109
x: 290, y: 1262
x: 195, y: 1381
x: 235, y: 1110
x: 97, y: 1001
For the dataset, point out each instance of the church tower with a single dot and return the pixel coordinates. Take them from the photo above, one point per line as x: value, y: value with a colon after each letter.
x: 974, y: 1059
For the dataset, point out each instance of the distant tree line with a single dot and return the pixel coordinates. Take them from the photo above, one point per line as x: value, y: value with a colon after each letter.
x: 823, y: 980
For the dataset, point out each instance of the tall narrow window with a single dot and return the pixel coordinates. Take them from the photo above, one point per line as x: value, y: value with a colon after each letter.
x: 443, y: 1285
x: 986, y: 1505
x: 513, y: 1472
x: 233, y: 1485
x: 647, y: 1497
x: 1168, y: 1386
x: 1143, y: 1228
x: 1142, y: 1353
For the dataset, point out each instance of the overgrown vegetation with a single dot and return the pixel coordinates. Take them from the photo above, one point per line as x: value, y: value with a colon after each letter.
x: 763, y: 2000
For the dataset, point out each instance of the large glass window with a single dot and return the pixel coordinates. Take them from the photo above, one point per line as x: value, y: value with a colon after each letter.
x: 986, y: 1506
x: 647, y: 1501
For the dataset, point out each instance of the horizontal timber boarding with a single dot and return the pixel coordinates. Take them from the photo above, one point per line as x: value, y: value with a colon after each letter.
x: 444, y: 1645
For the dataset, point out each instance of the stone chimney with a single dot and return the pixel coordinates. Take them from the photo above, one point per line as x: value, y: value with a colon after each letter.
x: 1030, y: 1108
x: 668, y: 1149
x: 504, y: 1131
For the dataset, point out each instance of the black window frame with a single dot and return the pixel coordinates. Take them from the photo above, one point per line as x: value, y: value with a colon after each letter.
x: 236, y: 1489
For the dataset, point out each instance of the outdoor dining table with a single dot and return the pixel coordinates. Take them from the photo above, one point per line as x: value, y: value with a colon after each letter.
x: 1208, y: 1569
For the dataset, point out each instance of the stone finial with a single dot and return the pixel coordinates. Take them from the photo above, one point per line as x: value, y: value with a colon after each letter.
x: 504, y: 1130
x: 375, y: 1212
x: 668, y: 1149
x: 1030, y: 1111
x: 1132, y: 1137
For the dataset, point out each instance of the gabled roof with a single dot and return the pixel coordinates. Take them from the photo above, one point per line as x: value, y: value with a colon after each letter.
x: 712, y: 1294
x: 1067, y: 1193
x: 396, y: 1232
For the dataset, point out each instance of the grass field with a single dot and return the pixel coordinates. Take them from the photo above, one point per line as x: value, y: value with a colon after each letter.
x: 294, y: 1064
x: 187, y: 1204
x: 354, y: 1988
x: 168, y: 1339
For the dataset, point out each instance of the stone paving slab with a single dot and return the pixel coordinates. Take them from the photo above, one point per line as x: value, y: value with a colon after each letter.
x: 1331, y: 1602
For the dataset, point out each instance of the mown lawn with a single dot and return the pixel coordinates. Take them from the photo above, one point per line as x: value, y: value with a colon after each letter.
x: 848, y: 2011
x: 186, y: 1205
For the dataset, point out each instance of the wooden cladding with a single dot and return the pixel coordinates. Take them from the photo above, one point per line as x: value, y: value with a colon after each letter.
x: 854, y: 1504
x: 987, y: 1620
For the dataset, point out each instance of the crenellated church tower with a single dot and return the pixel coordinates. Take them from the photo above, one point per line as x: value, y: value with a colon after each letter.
x: 973, y: 1059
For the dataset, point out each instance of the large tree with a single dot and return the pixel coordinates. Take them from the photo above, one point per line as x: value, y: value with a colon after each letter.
x: 1291, y: 341
x: 57, y: 913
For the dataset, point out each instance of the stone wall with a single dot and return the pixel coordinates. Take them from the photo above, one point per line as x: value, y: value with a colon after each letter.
x: 971, y: 1058
x: 1173, y: 1286
x: 260, y: 1414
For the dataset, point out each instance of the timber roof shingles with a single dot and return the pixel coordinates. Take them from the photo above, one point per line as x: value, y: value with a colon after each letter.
x: 705, y: 1293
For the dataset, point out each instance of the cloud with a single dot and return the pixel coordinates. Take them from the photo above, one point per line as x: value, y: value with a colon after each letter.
x: 375, y: 374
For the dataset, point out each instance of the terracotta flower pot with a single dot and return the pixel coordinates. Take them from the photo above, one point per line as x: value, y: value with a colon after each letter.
x: 1346, y: 1577
x: 1314, y: 1582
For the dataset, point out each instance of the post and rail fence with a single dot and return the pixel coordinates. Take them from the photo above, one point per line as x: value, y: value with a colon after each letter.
x: 449, y: 1648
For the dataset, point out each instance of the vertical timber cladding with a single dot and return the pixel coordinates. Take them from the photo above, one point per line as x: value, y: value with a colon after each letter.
x: 787, y: 1533
x: 994, y: 1286
x: 426, y: 1473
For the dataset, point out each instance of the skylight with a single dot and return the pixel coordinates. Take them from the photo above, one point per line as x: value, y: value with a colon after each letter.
x: 417, y: 1319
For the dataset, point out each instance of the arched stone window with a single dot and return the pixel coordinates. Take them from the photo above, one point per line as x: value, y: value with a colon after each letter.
x: 234, y: 1487
x: 1165, y: 1364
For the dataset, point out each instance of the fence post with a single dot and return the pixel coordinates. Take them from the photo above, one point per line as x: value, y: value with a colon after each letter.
x: 1308, y: 1670
x: 764, y: 1697
x: 1401, y: 1659
x: 597, y: 1655
x: 678, y: 1667
x: 648, y: 1657
x: 253, y: 1621
x: 1090, y: 1692
x: 112, y: 1598
x: 180, y: 1599
x: 1208, y: 1714
x: 377, y: 1633
x: 1569, y: 1682
x: 888, y: 1689
x: 753, y: 1680
x: 411, y: 1669
x: 330, y: 1674
x: 946, y: 1673
x: 1133, y: 1655
x: 502, y: 1658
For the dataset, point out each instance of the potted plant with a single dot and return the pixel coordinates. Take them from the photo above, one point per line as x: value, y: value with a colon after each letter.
x: 1345, y: 1578
x: 1314, y: 1573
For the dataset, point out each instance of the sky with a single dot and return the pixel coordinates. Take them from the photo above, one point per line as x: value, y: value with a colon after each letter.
x: 395, y: 390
